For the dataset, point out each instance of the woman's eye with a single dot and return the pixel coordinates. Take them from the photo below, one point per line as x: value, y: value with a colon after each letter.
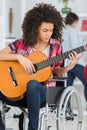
x: 44, y: 30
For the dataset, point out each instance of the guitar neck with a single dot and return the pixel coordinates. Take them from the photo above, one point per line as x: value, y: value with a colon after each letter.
x: 52, y: 60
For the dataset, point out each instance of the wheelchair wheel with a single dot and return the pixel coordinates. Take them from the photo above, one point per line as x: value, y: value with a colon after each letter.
x: 70, y: 116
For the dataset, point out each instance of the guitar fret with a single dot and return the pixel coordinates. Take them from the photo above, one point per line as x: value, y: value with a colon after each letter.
x: 59, y: 57
x: 50, y: 61
x: 56, y: 59
x: 80, y: 49
x: 63, y: 56
x: 41, y: 65
x: 47, y: 63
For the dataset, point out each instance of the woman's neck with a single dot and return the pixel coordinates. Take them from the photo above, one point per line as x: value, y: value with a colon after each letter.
x: 40, y: 46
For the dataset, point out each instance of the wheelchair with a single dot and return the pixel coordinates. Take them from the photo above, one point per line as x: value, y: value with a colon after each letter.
x: 59, y: 108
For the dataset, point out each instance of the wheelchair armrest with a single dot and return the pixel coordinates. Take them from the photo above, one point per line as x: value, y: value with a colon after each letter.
x: 59, y: 78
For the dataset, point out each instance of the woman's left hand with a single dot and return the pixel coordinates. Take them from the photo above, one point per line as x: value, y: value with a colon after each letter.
x: 74, y: 58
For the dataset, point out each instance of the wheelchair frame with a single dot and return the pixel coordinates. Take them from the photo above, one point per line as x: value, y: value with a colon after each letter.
x: 60, y: 109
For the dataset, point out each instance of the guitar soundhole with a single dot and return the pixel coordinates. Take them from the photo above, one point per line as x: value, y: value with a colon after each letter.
x: 36, y: 68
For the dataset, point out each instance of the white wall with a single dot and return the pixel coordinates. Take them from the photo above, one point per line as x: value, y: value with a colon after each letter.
x: 16, y: 7
x: 2, y: 24
x: 20, y: 7
x: 78, y: 6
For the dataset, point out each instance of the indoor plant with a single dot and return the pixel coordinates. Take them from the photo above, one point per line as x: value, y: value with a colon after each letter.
x: 66, y: 9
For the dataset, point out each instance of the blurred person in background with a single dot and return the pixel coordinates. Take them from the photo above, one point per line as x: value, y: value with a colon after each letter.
x: 71, y: 40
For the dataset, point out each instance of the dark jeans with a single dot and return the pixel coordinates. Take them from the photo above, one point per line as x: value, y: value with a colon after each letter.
x: 35, y: 97
x: 77, y: 71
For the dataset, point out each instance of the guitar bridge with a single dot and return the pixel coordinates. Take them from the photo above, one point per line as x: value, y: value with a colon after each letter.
x: 12, y: 76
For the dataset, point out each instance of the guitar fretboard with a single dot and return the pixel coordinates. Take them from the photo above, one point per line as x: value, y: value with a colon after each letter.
x: 50, y: 61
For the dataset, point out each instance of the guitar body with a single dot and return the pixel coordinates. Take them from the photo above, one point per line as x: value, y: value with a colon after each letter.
x: 6, y: 84
x: 17, y: 73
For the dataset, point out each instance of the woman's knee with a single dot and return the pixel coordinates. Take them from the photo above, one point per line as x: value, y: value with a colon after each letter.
x: 32, y: 85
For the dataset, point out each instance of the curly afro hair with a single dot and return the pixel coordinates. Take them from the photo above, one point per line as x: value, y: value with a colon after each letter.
x: 33, y: 19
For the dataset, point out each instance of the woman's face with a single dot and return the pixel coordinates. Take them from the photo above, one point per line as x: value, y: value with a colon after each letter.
x: 45, y: 32
x: 74, y: 24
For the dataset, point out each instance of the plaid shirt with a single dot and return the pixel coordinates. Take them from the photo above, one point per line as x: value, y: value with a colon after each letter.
x: 20, y: 47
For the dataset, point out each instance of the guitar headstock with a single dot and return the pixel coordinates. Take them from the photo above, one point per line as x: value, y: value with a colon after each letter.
x: 85, y: 46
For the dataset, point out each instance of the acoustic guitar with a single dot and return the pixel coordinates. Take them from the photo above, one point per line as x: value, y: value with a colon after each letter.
x: 13, y: 77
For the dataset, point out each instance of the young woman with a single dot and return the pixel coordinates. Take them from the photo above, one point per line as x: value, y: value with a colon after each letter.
x: 72, y: 40
x: 42, y: 31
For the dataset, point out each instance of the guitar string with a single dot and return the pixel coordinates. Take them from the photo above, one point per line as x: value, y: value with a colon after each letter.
x: 55, y: 59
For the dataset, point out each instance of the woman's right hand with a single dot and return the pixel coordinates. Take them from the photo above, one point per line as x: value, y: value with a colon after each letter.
x: 27, y: 64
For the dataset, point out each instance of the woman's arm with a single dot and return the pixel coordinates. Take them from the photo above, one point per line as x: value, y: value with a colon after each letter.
x: 6, y: 55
